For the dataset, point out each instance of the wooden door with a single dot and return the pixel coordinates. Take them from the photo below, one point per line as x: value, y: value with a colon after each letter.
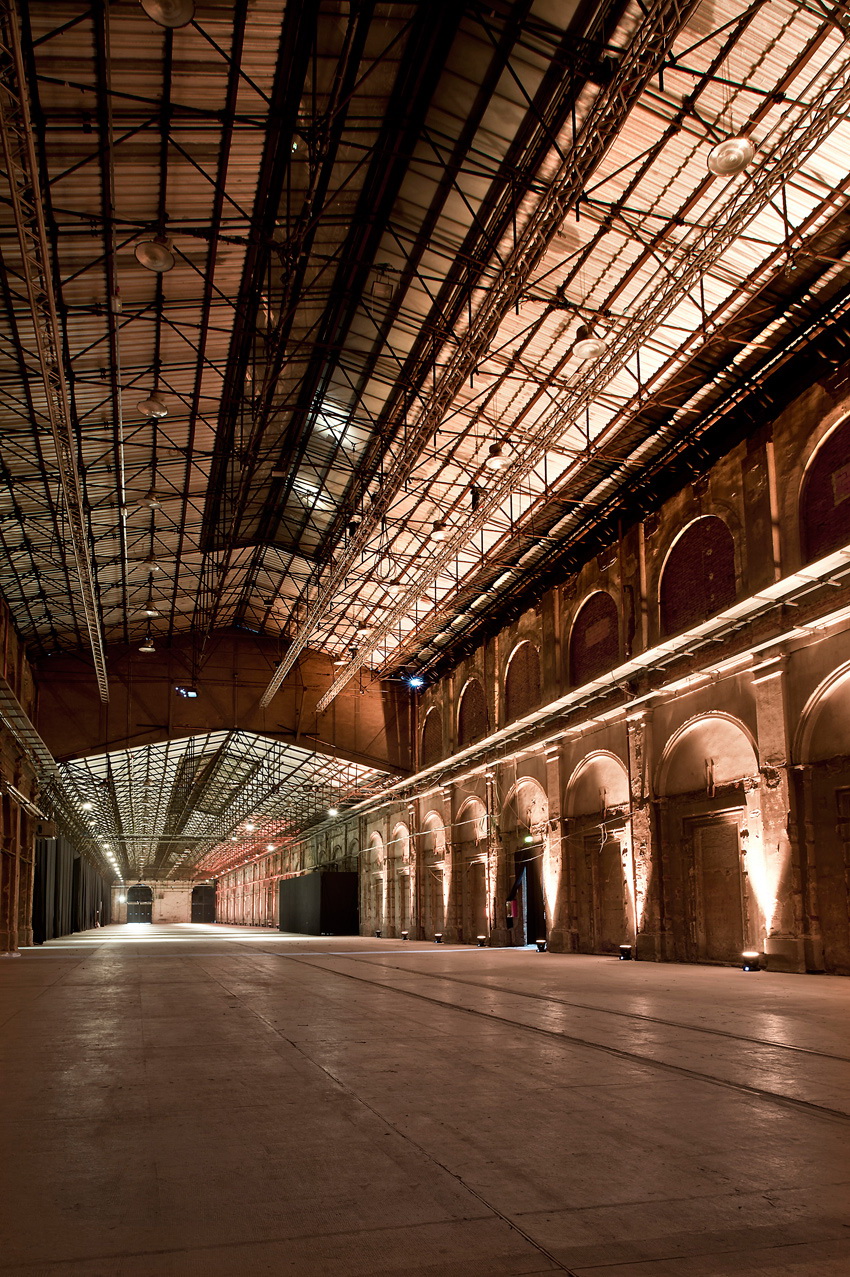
x: 718, y: 891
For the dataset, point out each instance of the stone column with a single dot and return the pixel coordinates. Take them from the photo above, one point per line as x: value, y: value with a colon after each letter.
x: 554, y: 864
x: 497, y: 886
x: 780, y: 878
x: 648, y: 938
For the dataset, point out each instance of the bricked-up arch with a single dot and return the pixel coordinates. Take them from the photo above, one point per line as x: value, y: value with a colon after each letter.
x: 825, y: 496
x: 432, y: 738
x: 522, y: 682
x: 595, y: 639
x: 472, y: 714
x: 699, y: 576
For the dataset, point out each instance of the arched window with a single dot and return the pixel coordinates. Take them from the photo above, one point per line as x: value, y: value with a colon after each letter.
x: 432, y: 738
x: 522, y: 682
x: 472, y: 715
x: 825, y: 497
x: 595, y: 639
x: 699, y: 575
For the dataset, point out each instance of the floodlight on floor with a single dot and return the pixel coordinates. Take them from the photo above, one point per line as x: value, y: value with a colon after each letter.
x: 377, y: 933
x: 541, y: 946
x: 155, y: 255
x: 625, y: 952
x: 438, y: 937
x: 170, y: 13
x: 481, y: 941
x: 731, y: 156
x: 751, y: 960
x: 405, y: 935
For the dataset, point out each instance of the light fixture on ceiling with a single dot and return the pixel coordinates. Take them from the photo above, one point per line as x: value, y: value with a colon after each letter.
x: 250, y: 827
x: 438, y: 530
x: 170, y: 13
x: 152, y: 563
x: 333, y: 811
x: 155, y: 254
x: 339, y: 660
x: 150, y: 608
x: 587, y: 345
x: 415, y: 681
x: 153, y: 406
x: 147, y: 645
x: 87, y: 806
x: 189, y: 693
x: 731, y: 156
x: 395, y: 587
x: 362, y: 628
x: 270, y: 846
x: 152, y: 500
x: 495, y: 459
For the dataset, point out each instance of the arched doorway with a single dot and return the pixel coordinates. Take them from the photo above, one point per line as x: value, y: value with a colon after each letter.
x: 602, y: 905
x: 140, y: 904
x: 203, y: 902
x: 473, y: 848
x: 823, y: 788
x: 525, y: 834
x: 710, y: 834
x: 435, y: 883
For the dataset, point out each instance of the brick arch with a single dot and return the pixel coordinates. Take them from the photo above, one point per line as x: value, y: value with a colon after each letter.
x: 594, y: 639
x: 432, y: 738
x: 522, y: 681
x: 471, y: 713
x: 698, y: 578
x: 825, y: 496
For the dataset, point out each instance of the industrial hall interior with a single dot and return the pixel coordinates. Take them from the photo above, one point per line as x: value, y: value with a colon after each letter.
x: 425, y: 637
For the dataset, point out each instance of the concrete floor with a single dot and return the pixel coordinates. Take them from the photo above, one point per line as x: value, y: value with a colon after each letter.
x: 227, y: 1101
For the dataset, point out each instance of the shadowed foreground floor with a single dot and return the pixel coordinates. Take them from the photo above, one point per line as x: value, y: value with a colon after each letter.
x: 223, y: 1101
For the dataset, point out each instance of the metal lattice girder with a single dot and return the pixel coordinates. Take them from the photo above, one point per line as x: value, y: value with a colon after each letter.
x: 643, y: 57
x: 788, y: 152
x: 16, y: 132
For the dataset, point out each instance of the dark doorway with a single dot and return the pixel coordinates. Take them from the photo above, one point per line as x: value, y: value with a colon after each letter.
x: 529, y: 888
x: 718, y: 884
x: 203, y: 902
x: 139, y: 904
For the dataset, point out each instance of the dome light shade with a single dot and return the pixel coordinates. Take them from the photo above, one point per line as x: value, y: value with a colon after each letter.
x: 495, y: 459
x: 586, y: 346
x: 147, y: 646
x: 151, y: 563
x: 731, y: 156
x: 150, y: 608
x: 438, y: 530
x: 394, y: 588
x: 153, y: 406
x: 155, y: 254
x: 152, y: 500
x: 170, y: 13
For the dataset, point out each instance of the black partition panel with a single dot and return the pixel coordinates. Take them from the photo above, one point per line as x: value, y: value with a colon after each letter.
x: 320, y: 904
x: 68, y: 893
x: 203, y: 902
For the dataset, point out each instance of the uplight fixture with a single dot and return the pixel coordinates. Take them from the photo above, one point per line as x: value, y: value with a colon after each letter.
x: 377, y: 933
x: 170, y: 13
x: 586, y: 344
x: 405, y: 935
x: 541, y: 946
x: 751, y: 960
x: 438, y: 937
x: 495, y: 459
x: 625, y: 952
x: 155, y: 255
x: 731, y: 156
x: 482, y: 941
